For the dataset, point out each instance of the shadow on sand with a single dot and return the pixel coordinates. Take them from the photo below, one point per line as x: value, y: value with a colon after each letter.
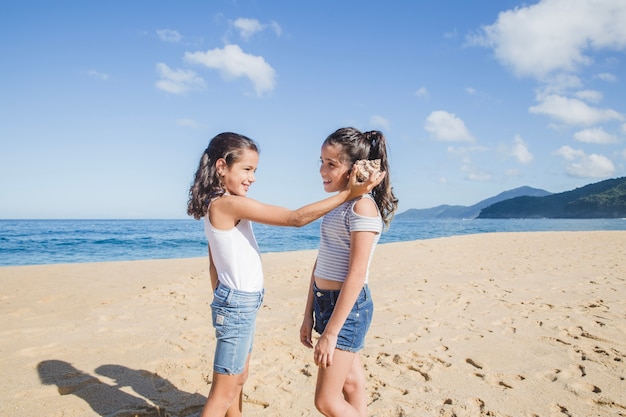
x: 155, y: 396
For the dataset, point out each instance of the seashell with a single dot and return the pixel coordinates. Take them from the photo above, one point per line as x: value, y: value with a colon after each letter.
x: 365, y: 167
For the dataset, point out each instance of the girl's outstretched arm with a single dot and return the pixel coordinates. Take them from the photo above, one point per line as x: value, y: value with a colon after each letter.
x: 236, y: 207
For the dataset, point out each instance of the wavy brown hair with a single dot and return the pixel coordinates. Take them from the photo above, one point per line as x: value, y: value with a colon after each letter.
x: 207, y: 184
x: 356, y: 145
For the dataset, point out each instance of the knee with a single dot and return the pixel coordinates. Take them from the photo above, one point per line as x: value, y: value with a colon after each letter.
x: 236, y: 386
x: 355, y: 383
x: 228, y: 387
x: 323, y: 405
x: 329, y: 404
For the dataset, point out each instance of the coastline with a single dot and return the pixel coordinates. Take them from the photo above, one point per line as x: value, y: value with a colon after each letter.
x: 39, y: 242
x: 519, y: 324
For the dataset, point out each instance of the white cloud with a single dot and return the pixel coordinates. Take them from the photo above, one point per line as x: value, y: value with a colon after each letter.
x: 379, y: 122
x: 520, y: 151
x: 465, y: 151
x: 451, y: 34
x: 422, y: 92
x: 249, y: 27
x: 468, y: 167
x: 178, y: 81
x: 560, y: 84
x: 233, y: 63
x: 169, y: 35
x: 595, y: 135
x: 573, y: 111
x: 473, y: 173
x: 276, y: 28
x: 591, y: 96
x: 477, y: 94
x: 570, y: 153
x: 188, y: 123
x: 605, y: 76
x: 448, y: 127
x: 554, y: 35
x: 581, y: 165
x: 457, y: 150
x: 99, y: 75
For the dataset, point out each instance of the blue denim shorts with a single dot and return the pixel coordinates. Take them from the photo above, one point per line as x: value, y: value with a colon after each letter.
x: 234, y: 318
x: 352, y: 335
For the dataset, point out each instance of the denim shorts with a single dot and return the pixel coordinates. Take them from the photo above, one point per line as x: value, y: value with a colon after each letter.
x: 351, y: 337
x: 234, y: 318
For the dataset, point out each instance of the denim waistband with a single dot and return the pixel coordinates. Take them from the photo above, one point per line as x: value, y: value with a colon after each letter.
x: 333, y: 295
x: 228, y: 293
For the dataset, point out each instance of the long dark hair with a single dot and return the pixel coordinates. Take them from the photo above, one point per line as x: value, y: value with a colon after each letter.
x: 207, y: 183
x: 356, y: 145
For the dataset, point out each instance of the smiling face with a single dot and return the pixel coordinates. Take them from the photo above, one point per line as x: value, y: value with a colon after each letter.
x: 335, y: 172
x: 238, y: 178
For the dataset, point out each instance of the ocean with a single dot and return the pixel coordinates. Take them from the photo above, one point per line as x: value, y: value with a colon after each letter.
x: 34, y: 242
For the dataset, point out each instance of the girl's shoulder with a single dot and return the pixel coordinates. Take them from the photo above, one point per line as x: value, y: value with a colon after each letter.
x: 225, y: 200
x: 222, y: 212
x: 365, y: 206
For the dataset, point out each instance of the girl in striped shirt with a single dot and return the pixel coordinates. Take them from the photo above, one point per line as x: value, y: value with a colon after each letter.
x: 339, y: 305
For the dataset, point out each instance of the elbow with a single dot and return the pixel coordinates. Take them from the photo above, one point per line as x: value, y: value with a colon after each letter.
x: 298, y: 220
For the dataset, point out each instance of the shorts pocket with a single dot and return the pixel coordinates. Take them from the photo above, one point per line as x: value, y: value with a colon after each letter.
x: 221, y: 318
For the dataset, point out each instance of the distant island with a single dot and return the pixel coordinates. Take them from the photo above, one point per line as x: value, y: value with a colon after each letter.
x: 605, y: 199
x: 470, y: 212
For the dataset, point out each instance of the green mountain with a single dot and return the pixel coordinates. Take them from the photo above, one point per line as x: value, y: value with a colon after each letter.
x: 445, y: 211
x: 605, y: 199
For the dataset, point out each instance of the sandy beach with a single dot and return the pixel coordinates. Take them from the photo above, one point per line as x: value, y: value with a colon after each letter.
x: 503, y: 324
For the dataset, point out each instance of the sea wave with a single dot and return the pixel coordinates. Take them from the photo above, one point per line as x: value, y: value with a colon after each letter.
x: 32, y: 242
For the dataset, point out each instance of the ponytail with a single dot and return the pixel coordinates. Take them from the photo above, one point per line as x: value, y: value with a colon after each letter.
x: 383, y: 193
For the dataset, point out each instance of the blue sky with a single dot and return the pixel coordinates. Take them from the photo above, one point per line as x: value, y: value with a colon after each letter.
x: 106, y: 106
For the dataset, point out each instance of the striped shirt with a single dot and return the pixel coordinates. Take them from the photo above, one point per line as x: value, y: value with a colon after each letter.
x: 334, y: 253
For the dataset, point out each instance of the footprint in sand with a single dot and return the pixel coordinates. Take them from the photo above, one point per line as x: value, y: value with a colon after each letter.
x: 552, y: 375
x: 583, y: 388
x: 496, y: 380
x: 557, y: 410
x: 423, y: 374
x: 306, y: 371
x: 254, y: 401
x: 473, y: 363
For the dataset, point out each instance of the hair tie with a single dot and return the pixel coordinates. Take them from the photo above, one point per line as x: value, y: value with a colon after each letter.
x: 371, y: 137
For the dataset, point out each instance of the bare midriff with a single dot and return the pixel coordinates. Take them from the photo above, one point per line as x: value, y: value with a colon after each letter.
x: 327, y: 284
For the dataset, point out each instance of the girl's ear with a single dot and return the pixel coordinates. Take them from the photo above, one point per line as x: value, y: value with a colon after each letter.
x: 220, y: 166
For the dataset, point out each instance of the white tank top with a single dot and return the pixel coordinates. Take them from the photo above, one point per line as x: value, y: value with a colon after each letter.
x: 236, y: 256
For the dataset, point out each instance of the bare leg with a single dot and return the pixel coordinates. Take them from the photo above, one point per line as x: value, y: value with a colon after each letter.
x: 329, y: 392
x: 354, y: 387
x: 236, y: 407
x: 226, y: 395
